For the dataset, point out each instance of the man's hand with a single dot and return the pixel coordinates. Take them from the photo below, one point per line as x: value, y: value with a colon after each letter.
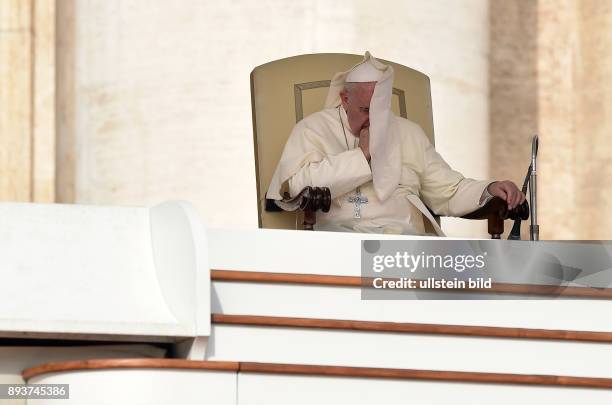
x: 364, y: 142
x: 508, y: 191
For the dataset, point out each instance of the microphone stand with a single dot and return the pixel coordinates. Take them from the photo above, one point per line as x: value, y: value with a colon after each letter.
x: 534, y: 228
x: 530, y: 180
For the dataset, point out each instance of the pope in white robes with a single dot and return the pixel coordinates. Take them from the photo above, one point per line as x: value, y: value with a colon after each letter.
x: 382, y: 170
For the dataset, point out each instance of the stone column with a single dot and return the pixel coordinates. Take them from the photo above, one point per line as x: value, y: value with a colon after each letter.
x: 575, y: 92
x: 557, y: 174
x: 15, y: 100
x: 27, y: 100
x: 513, y: 78
x: 65, y: 111
x: 593, y: 122
x: 43, y: 131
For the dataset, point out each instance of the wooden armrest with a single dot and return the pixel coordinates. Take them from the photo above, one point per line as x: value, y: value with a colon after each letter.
x: 495, y: 212
x: 310, y: 200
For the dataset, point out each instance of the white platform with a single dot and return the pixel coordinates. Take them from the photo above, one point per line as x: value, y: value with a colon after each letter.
x: 185, y: 387
x: 122, y: 273
x: 409, y: 351
x: 128, y: 273
x: 329, y: 253
x: 143, y: 387
x: 297, y: 390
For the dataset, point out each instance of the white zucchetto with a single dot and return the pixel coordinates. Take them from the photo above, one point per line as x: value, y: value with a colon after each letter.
x: 364, y: 72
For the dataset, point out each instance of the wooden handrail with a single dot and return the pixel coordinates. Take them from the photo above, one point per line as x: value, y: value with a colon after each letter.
x: 105, y: 364
x: 429, y: 375
x: 354, y: 281
x: 285, y: 278
x: 318, y: 370
x: 415, y: 328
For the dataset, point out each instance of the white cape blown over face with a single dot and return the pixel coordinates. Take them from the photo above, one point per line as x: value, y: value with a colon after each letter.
x: 384, y: 149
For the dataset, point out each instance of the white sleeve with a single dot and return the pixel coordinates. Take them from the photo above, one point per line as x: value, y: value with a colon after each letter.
x: 446, y: 191
x: 486, y: 196
x: 341, y: 173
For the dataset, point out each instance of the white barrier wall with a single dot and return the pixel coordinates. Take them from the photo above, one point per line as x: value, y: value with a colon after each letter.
x: 122, y: 273
x: 313, y: 346
x: 332, y: 253
x: 298, y: 390
x: 339, y: 254
x: 157, y: 387
x: 143, y: 387
x: 14, y: 359
x: 345, y: 303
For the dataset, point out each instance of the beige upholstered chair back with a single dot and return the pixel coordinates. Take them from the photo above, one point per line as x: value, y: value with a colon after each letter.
x: 286, y: 90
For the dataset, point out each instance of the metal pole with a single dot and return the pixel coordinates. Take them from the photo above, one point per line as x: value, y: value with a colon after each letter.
x: 534, y: 228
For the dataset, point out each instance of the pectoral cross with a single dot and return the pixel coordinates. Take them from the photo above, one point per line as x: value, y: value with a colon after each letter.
x: 358, y: 199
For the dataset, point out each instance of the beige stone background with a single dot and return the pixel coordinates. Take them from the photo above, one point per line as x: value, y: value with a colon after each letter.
x: 135, y: 102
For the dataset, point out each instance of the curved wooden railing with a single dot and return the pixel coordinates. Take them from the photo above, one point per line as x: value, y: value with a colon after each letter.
x: 414, y: 328
x: 107, y: 364
x: 318, y: 370
x: 429, y: 375
x: 354, y: 281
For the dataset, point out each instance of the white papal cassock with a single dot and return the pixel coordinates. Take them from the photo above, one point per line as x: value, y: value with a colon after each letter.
x: 316, y: 155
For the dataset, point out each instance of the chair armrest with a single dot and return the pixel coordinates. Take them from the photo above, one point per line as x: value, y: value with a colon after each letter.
x: 310, y: 200
x: 495, y: 212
